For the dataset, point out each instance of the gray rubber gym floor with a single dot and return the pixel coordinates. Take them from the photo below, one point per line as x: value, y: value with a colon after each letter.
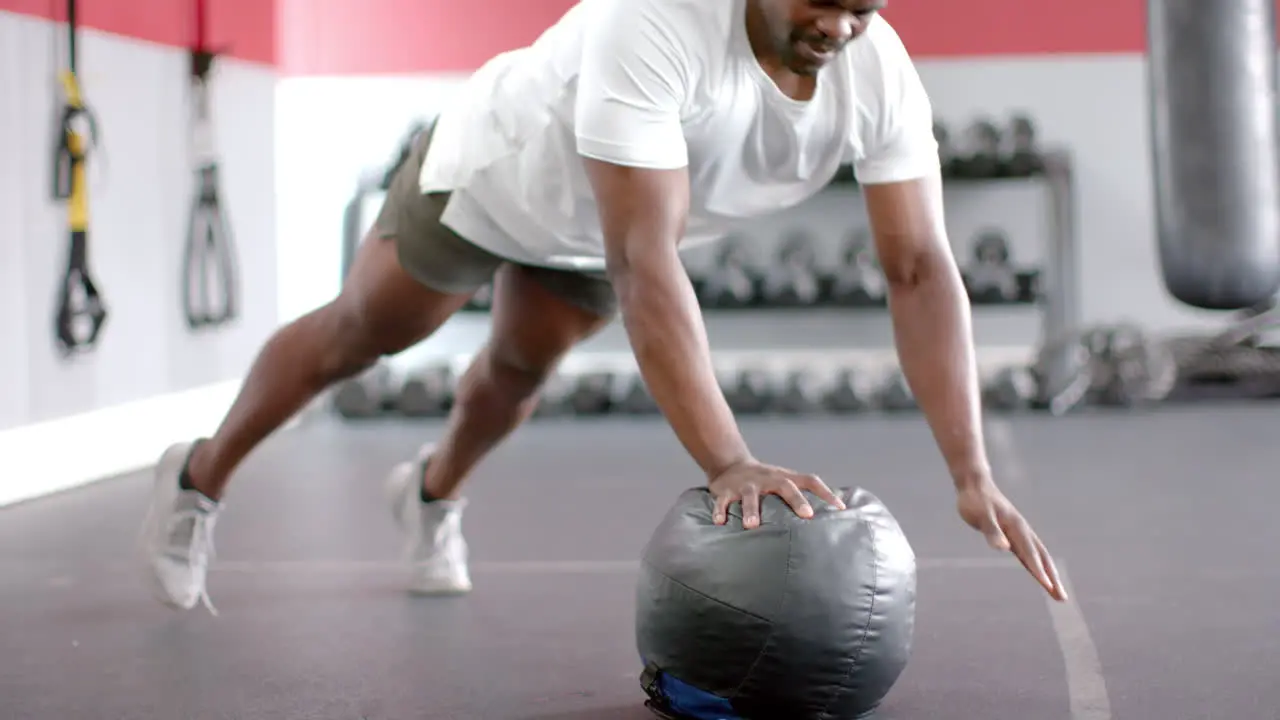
x: 1165, y: 524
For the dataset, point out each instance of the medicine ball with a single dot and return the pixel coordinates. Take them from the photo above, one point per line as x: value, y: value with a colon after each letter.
x: 792, y: 620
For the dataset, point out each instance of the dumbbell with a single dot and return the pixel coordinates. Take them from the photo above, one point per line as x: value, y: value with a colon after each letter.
x: 1028, y: 285
x: 802, y: 392
x: 858, y: 280
x: 749, y: 391
x: 633, y: 396
x: 979, y: 158
x: 553, y: 398
x: 730, y: 283
x: 795, y: 280
x: 848, y: 393
x: 426, y: 392
x: 593, y: 393
x: 365, y: 395
x: 1023, y: 158
x: 1011, y: 388
x: 946, y: 148
x: 895, y: 394
x: 990, y: 275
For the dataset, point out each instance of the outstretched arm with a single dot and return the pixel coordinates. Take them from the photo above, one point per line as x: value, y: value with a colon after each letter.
x: 932, y: 324
x: 931, y: 319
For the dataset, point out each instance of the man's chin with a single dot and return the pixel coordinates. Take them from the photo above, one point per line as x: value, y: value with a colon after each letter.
x: 803, y: 68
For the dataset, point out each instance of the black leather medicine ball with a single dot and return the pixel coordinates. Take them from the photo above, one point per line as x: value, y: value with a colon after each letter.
x: 795, y: 619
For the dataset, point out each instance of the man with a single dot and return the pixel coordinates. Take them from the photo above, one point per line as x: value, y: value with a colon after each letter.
x: 571, y: 172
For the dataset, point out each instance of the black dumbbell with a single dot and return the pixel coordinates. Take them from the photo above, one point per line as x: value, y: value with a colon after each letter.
x: 634, y: 396
x: 1011, y: 388
x: 749, y: 391
x: 365, y: 395
x: 848, y: 393
x: 990, y: 275
x: 895, y: 394
x: 554, y: 397
x: 795, y: 280
x: 731, y: 282
x: 1028, y: 286
x: 858, y: 280
x: 593, y: 393
x: 946, y: 148
x: 426, y: 392
x: 802, y: 392
x: 1023, y: 157
x: 979, y: 156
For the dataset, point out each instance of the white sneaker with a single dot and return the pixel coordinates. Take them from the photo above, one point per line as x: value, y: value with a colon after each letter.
x: 177, y: 535
x: 433, y: 542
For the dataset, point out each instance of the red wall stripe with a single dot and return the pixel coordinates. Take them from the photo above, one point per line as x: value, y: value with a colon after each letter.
x: 246, y: 28
x: 352, y: 37
x: 414, y: 36
x: 947, y: 28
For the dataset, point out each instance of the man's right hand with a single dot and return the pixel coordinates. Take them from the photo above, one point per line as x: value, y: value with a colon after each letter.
x: 747, y: 481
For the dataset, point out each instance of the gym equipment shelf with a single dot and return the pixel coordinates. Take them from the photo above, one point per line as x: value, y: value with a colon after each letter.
x: 1056, y: 281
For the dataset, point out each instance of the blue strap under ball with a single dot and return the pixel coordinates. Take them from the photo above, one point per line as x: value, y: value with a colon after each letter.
x: 678, y: 700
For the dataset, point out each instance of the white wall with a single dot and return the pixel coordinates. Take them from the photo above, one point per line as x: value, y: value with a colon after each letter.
x: 329, y: 130
x: 150, y: 381
x: 140, y: 190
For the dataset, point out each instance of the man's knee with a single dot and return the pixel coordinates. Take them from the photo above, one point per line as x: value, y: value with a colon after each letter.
x: 517, y: 371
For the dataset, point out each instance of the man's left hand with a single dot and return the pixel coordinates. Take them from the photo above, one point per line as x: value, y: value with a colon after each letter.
x: 988, y: 511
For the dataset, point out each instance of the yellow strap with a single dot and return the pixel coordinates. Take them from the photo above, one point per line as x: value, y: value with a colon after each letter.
x: 71, y: 88
x: 78, y: 201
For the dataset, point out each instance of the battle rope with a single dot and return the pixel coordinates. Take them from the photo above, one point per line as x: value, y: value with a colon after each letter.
x: 1114, y: 365
x: 81, y: 312
x: 210, y: 274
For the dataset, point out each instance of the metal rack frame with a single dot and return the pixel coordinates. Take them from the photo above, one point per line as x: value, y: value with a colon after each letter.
x: 1059, y: 304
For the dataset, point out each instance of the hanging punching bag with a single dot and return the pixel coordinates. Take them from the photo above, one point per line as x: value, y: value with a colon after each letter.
x: 1214, y: 149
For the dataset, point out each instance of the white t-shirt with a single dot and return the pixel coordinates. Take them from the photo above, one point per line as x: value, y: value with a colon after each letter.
x: 664, y: 84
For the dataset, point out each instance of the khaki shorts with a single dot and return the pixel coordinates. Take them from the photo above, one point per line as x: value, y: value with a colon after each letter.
x: 439, y: 258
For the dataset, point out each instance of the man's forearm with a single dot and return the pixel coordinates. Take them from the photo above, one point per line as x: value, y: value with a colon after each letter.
x: 933, y: 331
x: 664, y: 323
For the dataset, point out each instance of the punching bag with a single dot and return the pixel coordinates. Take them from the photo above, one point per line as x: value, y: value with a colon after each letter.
x: 1212, y: 92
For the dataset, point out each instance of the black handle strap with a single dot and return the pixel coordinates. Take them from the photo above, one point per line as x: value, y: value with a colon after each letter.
x: 81, y: 312
x: 210, y: 281
x: 210, y: 274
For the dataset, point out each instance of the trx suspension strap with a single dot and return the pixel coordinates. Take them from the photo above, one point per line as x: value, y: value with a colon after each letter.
x: 81, y: 311
x: 209, y: 282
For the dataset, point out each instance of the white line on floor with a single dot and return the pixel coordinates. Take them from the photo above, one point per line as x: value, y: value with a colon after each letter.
x: 1086, y: 687
x: 551, y: 567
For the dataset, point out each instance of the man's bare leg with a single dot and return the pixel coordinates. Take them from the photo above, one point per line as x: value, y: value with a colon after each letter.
x: 532, y: 330
x: 381, y: 310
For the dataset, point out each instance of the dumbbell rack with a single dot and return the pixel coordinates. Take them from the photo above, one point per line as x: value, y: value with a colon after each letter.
x: 806, y: 335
